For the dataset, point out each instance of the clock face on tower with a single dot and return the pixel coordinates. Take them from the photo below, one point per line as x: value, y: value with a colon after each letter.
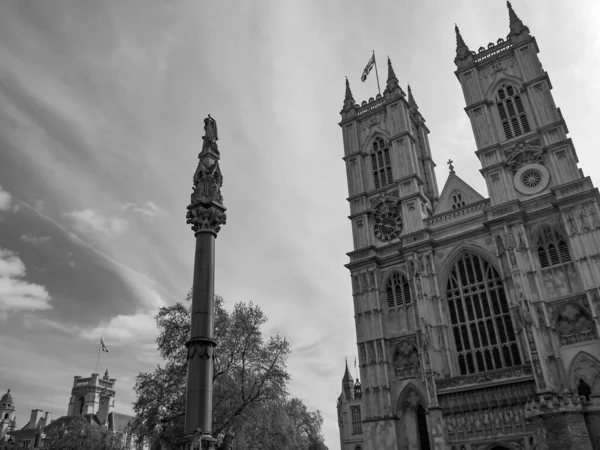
x: 388, y: 226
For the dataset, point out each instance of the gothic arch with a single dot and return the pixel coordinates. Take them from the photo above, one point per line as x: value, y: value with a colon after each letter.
x: 365, y: 147
x: 502, y: 446
x: 587, y: 368
x: 538, y: 229
x: 411, y: 396
x: 506, y: 79
x: 389, y: 274
x: 457, y: 253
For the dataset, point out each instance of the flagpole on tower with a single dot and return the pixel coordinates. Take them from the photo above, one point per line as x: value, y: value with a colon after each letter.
x: 98, y: 360
x: 376, y: 73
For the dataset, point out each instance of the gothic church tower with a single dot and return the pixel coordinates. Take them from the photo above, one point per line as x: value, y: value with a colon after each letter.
x: 477, y: 319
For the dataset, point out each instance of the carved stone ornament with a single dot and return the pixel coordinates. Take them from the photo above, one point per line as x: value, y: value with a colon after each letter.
x: 207, y: 184
x: 574, y: 325
x: 524, y: 153
x: 202, y: 348
x: 406, y: 359
x: 206, y: 219
x: 206, y: 212
x: 388, y: 223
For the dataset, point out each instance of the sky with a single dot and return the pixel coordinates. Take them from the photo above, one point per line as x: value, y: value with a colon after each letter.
x: 101, y: 121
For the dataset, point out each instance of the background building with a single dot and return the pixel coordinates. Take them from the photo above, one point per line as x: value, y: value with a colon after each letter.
x: 92, y: 397
x: 476, y: 318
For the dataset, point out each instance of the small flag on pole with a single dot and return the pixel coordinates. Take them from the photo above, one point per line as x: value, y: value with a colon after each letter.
x: 102, y: 346
x: 370, y: 65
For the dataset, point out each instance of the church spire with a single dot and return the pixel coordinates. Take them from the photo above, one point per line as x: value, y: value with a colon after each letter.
x: 348, y: 99
x: 347, y: 382
x: 516, y: 25
x: 411, y: 99
x: 347, y: 376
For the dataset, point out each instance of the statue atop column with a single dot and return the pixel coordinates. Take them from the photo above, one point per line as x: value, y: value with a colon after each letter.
x: 206, y: 211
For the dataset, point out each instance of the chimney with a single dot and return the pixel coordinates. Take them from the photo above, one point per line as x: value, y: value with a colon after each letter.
x: 35, y: 416
x: 48, y: 418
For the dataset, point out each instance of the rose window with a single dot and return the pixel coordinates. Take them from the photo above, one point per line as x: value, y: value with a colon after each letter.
x: 532, y: 178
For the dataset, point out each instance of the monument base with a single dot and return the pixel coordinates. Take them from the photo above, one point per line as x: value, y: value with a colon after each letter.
x: 198, y: 441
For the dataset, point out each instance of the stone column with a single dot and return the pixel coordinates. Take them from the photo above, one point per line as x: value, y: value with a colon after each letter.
x: 206, y: 214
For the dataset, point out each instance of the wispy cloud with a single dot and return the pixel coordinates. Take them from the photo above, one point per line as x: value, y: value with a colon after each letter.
x: 16, y: 294
x: 147, y: 210
x: 35, y: 240
x: 88, y: 221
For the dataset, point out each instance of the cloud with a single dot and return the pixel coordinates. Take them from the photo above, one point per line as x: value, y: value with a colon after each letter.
x: 88, y: 221
x: 126, y: 329
x: 35, y: 240
x: 147, y: 210
x: 5, y: 200
x: 17, y: 294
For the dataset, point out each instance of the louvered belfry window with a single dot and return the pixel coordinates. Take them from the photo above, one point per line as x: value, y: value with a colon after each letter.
x: 552, y: 248
x: 381, y: 162
x: 481, y: 323
x: 512, y: 114
x: 398, y: 291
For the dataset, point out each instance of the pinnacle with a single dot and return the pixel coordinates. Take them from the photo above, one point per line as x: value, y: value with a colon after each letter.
x: 516, y: 25
x: 391, y: 73
x: 459, y: 40
x: 411, y: 99
x: 348, y: 91
x: 511, y: 13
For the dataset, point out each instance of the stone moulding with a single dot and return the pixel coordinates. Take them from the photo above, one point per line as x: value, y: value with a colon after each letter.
x: 457, y: 215
x: 461, y: 382
x: 573, y: 188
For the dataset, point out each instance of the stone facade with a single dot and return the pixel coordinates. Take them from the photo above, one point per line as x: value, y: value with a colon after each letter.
x: 477, y: 319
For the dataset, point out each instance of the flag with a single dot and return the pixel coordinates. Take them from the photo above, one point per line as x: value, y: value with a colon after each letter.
x: 355, y: 362
x: 102, y: 346
x: 370, y: 65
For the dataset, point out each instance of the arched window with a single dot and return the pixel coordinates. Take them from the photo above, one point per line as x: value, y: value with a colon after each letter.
x: 398, y: 291
x: 356, y: 420
x: 458, y: 200
x: 552, y: 248
x: 512, y: 115
x: 382, y: 165
x: 481, y: 323
x: 80, y: 403
x: 422, y: 427
x: 6, y: 416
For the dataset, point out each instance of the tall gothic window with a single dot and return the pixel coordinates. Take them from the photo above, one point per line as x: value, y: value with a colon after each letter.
x: 356, y: 420
x: 512, y: 114
x: 481, y: 323
x: 382, y: 165
x: 398, y: 291
x: 552, y: 248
